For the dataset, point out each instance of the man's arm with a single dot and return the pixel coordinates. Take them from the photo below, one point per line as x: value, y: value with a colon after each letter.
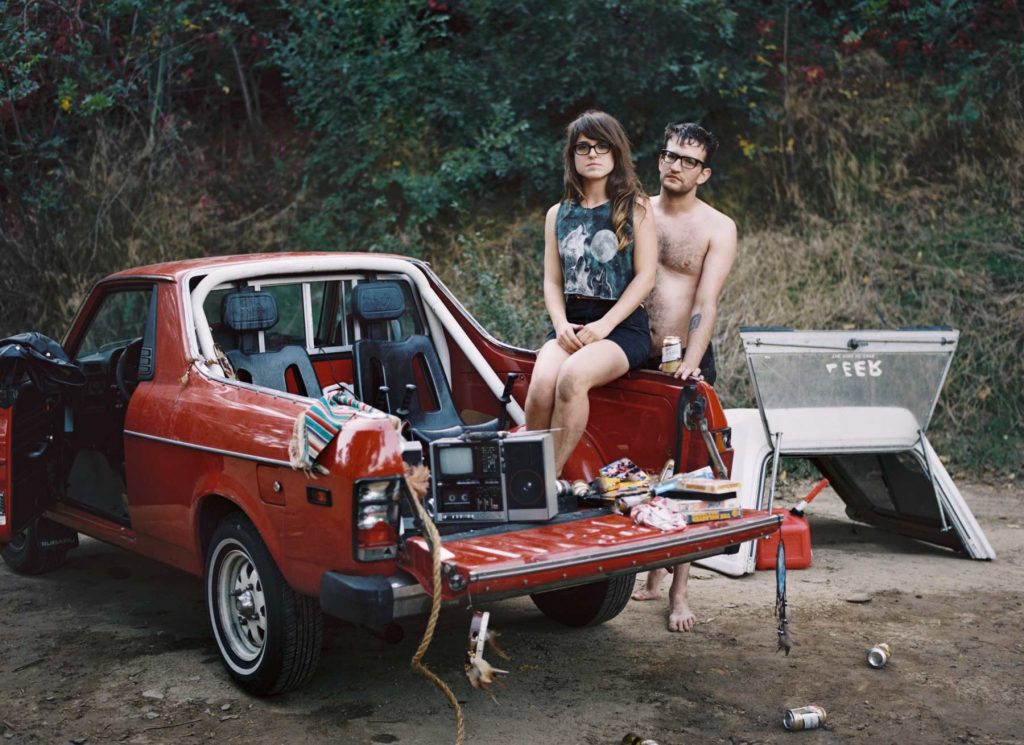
x: 717, y: 263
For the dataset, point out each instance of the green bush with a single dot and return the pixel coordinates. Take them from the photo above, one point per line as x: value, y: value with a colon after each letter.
x: 423, y: 112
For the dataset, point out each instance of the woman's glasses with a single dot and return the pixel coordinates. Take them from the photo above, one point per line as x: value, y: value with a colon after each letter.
x: 685, y: 161
x: 600, y: 147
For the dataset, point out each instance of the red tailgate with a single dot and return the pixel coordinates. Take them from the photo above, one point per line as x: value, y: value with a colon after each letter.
x: 574, y: 552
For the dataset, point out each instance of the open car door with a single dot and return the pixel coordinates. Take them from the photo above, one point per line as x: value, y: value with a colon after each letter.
x: 858, y: 404
x: 33, y: 373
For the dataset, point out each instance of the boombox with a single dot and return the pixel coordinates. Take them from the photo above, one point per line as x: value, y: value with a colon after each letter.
x: 493, y: 480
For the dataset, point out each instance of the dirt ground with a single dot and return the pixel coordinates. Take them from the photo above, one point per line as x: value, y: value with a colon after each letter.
x: 114, y: 648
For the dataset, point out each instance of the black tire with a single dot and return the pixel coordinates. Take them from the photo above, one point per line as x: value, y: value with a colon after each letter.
x: 268, y: 635
x: 26, y: 554
x: 587, y: 605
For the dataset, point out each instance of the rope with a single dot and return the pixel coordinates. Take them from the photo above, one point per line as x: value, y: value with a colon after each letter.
x: 435, y: 610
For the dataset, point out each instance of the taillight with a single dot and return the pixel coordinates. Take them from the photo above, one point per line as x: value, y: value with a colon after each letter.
x: 377, y: 519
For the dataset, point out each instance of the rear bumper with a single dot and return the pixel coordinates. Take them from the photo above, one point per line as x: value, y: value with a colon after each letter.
x: 372, y: 601
x: 376, y: 600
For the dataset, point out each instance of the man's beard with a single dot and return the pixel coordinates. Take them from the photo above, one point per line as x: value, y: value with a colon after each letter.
x: 676, y: 187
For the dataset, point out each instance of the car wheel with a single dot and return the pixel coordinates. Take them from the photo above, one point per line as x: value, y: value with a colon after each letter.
x: 269, y: 636
x: 586, y: 605
x: 26, y: 554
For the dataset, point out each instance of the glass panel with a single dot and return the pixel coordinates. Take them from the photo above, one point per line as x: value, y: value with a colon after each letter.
x: 409, y: 323
x: 224, y: 337
x: 290, y: 328
x: 332, y: 313
x: 849, y: 390
x: 317, y: 292
x: 120, y: 319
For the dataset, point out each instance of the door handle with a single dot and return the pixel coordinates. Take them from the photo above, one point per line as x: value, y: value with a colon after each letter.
x: 41, y: 448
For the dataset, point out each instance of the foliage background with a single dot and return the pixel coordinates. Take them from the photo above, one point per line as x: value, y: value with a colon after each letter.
x: 872, y: 154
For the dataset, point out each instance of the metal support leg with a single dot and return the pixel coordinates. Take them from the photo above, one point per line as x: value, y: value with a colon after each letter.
x: 946, y: 527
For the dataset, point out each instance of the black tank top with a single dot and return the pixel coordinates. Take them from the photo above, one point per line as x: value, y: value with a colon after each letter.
x: 592, y: 263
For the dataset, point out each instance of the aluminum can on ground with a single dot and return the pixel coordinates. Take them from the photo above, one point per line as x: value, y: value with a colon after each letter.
x: 671, y: 354
x: 632, y: 739
x: 805, y: 717
x: 878, y: 655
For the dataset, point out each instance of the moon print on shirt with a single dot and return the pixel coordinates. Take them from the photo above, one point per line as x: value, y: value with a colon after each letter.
x: 604, y: 245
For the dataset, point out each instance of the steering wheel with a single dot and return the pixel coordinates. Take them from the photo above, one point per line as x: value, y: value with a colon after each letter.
x: 126, y: 374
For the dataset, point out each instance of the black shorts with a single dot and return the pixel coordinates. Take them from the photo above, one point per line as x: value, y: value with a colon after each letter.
x: 633, y: 335
x: 707, y: 364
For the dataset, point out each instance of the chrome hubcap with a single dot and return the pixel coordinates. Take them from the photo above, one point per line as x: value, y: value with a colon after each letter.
x: 242, y: 605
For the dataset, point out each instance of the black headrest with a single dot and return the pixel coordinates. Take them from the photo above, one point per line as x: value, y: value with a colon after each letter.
x: 378, y: 301
x: 248, y: 311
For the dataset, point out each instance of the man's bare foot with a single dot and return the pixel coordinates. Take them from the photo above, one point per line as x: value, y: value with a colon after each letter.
x: 650, y: 589
x: 680, y: 617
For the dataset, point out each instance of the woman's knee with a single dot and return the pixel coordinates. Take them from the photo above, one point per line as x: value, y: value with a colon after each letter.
x: 541, y: 392
x: 570, y: 384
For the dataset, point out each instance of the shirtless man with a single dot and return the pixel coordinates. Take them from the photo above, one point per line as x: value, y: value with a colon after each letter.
x: 696, y: 249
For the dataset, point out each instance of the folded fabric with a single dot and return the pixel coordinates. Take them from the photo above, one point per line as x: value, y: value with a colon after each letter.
x: 318, y: 425
x: 663, y: 514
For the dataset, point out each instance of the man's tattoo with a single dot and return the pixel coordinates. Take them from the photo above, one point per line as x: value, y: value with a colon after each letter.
x: 694, y: 322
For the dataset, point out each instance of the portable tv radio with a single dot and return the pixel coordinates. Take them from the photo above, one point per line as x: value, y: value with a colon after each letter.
x: 493, y: 480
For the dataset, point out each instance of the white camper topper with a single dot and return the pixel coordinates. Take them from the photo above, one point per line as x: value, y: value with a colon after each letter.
x: 857, y: 404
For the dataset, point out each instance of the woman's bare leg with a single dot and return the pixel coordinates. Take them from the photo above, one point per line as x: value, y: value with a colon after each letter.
x: 540, y: 398
x: 590, y: 367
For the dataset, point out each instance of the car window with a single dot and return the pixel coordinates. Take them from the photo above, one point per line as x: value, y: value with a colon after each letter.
x: 330, y: 302
x: 120, y: 318
x: 409, y: 323
x: 290, y: 328
x: 332, y: 312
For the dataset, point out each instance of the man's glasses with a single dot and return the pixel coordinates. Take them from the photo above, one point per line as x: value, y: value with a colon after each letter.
x: 671, y: 158
x: 600, y: 147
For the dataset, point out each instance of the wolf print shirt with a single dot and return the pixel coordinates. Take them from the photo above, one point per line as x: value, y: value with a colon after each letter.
x: 592, y: 263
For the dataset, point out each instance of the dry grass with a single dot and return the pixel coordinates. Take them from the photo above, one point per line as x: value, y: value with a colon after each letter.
x: 129, y: 205
x: 965, y: 270
x: 932, y: 261
x: 497, y: 272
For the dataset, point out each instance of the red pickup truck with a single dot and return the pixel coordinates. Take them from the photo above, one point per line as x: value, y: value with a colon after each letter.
x: 174, y: 443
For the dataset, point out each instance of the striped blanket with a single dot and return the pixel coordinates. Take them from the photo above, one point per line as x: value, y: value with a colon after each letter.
x: 316, y: 427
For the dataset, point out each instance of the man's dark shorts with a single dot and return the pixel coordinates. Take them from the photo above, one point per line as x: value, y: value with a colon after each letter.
x: 707, y: 364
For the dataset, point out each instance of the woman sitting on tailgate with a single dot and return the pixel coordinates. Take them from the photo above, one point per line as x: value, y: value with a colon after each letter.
x: 600, y: 258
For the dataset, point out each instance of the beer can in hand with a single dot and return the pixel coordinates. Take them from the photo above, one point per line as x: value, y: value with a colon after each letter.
x: 671, y: 354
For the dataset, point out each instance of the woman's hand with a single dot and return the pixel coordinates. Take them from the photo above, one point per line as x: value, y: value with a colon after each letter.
x: 567, y: 338
x: 594, y: 331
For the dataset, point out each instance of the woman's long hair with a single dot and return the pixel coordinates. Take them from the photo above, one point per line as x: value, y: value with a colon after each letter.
x: 624, y: 189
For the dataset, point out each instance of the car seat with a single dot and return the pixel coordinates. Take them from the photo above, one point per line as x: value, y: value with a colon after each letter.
x: 402, y: 376
x: 247, y: 313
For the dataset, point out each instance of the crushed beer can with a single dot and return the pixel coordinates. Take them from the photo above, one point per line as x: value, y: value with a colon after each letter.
x: 804, y: 717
